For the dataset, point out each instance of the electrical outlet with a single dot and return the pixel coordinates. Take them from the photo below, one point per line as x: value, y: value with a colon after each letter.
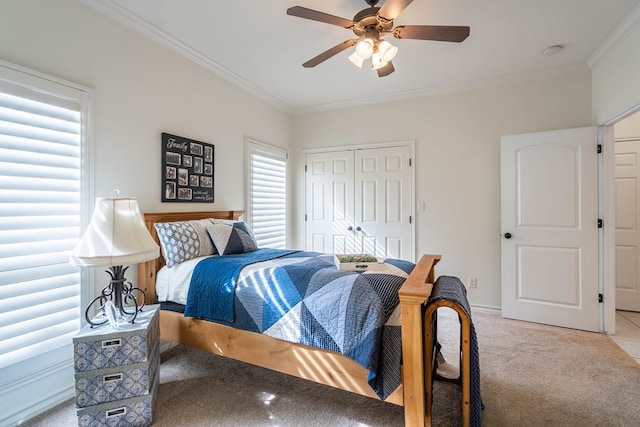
x: 473, y: 282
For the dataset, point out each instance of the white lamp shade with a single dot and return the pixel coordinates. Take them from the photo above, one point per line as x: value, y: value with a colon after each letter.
x: 356, y: 59
x: 387, y: 51
x: 364, y: 48
x: 116, y: 236
x: 377, y: 61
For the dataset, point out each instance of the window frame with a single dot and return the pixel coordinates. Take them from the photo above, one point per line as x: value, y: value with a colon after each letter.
x: 253, y: 146
x: 53, y: 370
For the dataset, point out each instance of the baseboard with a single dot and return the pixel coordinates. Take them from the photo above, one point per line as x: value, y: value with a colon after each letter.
x: 486, y: 309
x: 30, y: 395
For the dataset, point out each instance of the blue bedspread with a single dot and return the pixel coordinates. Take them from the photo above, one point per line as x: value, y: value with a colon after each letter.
x: 303, y: 297
x: 213, y: 283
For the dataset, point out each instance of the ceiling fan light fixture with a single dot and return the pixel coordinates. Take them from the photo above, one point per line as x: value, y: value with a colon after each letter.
x: 364, y: 48
x: 369, y: 25
x: 387, y: 50
x: 356, y: 59
x: 377, y: 61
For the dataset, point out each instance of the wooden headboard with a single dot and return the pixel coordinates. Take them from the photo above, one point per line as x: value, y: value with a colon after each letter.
x: 147, y: 270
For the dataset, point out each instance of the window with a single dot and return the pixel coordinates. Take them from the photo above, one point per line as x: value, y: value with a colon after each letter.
x: 41, y: 185
x: 267, y: 194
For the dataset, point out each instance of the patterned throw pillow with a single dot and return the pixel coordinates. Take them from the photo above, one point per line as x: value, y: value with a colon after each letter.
x: 184, y: 240
x: 233, y: 238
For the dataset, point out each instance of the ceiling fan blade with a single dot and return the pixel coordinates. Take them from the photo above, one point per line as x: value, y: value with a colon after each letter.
x: 386, y: 70
x: 432, y: 32
x: 329, y: 53
x: 314, y: 15
x: 392, y: 8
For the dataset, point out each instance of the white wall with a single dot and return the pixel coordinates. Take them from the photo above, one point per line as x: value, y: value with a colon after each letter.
x: 457, y: 140
x: 616, y: 77
x: 142, y: 89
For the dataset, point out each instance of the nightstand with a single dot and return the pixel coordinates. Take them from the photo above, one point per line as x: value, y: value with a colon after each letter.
x: 116, y: 371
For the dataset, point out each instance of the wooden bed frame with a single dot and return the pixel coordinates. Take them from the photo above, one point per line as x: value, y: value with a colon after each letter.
x: 322, y: 366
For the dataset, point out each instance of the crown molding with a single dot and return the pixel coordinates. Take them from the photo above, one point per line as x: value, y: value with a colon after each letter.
x: 615, y: 37
x: 465, y: 86
x: 131, y: 20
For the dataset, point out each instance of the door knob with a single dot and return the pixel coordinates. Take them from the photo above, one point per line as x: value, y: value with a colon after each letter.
x: 507, y: 235
x: 350, y: 228
x: 358, y: 228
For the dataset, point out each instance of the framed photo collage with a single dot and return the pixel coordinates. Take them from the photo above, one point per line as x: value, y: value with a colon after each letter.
x: 187, y: 170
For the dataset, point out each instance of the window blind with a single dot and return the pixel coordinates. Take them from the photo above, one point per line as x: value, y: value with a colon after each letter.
x: 40, y: 189
x: 267, y: 195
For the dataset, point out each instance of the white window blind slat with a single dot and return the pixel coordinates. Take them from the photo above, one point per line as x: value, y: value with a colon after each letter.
x: 41, y: 265
x: 11, y: 142
x: 35, y: 317
x: 58, y: 333
x: 31, y: 222
x: 40, y: 203
x: 267, y: 194
x: 60, y: 336
x: 58, y: 279
x: 41, y: 210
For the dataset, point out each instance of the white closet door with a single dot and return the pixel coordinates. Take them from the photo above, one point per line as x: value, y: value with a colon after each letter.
x: 360, y: 201
x: 329, y: 202
x: 383, y: 202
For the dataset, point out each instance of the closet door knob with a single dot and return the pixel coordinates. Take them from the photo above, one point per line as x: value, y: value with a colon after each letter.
x: 358, y: 228
x: 350, y: 228
x: 507, y: 235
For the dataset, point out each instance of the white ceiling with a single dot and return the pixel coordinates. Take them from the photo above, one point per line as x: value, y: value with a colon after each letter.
x: 256, y: 45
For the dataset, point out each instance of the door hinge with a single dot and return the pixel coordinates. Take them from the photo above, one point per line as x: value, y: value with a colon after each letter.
x: 600, y: 298
x: 305, y: 217
x: 409, y: 162
x: 599, y: 148
x: 600, y: 223
x: 410, y: 219
x: 305, y: 168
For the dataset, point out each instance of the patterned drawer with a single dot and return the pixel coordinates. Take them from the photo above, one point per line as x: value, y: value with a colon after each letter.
x: 117, y: 383
x: 105, y: 347
x: 132, y: 412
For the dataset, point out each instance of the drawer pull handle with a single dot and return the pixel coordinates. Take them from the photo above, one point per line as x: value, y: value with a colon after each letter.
x: 112, y: 377
x: 112, y: 343
x: 116, y: 412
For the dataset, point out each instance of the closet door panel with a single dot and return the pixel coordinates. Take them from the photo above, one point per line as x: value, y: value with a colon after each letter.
x: 329, y: 202
x: 383, y: 202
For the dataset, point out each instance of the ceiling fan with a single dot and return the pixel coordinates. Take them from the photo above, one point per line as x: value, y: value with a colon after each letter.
x: 370, y: 25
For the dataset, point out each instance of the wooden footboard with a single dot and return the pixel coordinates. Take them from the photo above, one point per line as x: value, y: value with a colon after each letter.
x: 322, y: 366
x: 413, y: 297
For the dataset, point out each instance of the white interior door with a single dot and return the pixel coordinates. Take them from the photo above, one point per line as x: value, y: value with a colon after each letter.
x: 549, y: 226
x: 383, y: 202
x: 329, y: 202
x: 627, y: 255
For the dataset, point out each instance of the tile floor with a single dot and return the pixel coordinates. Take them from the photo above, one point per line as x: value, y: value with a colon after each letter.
x: 628, y: 332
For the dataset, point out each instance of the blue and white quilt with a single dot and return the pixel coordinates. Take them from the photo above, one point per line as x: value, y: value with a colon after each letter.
x: 303, y: 297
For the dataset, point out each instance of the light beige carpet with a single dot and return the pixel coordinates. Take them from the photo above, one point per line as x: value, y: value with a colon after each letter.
x: 532, y: 375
